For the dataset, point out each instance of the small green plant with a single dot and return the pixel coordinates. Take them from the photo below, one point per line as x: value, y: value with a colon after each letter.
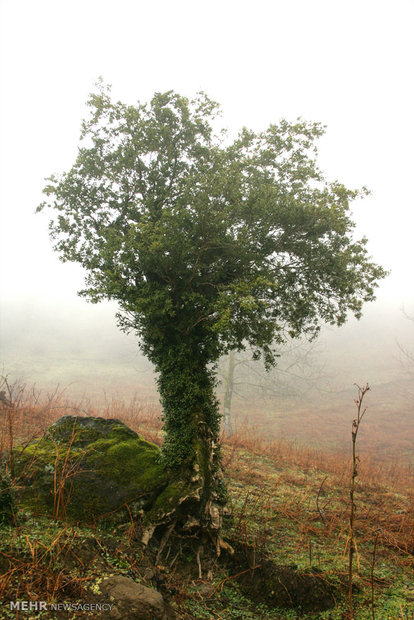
x: 7, y: 499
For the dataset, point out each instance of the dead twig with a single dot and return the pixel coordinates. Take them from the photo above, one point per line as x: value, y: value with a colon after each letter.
x: 352, y: 543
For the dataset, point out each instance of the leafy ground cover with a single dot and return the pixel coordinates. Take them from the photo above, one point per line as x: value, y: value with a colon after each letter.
x: 287, y: 523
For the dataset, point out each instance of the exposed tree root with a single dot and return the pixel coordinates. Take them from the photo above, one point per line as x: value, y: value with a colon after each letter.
x: 199, y: 552
x: 148, y: 534
x: 164, y: 540
x: 221, y: 544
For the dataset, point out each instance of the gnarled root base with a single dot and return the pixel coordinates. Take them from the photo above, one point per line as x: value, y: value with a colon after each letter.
x: 193, y: 503
x: 178, y: 511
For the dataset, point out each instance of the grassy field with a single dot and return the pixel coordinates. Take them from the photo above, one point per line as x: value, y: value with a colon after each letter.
x: 288, y: 523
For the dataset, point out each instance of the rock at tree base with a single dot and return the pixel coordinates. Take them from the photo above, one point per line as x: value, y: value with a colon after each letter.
x: 134, y: 601
x: 87, y: 468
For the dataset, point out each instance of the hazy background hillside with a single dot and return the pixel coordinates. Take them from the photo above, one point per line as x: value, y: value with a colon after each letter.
x: 308, y: 397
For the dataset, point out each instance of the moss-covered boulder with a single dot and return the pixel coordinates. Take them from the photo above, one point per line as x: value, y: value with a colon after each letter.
x: 86, y: 469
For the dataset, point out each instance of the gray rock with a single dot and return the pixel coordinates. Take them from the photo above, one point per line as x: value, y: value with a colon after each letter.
x: 133, y: 601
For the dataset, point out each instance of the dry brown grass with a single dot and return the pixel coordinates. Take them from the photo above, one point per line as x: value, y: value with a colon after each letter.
x: 373, y: 471
x: 283, y: 492
x: 384, y: 484
x: 30, y: 575
x: 29, y: 412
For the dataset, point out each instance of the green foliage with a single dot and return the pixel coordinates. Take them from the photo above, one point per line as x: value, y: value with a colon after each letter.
x: 7, y: 499
x: 206, y: 244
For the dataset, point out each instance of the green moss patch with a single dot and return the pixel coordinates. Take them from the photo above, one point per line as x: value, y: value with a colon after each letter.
x: 90, y: 468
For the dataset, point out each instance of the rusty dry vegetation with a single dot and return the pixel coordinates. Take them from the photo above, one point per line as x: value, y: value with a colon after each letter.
x: 288, y: 523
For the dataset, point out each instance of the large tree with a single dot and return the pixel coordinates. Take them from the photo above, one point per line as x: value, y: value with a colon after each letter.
x: 207, y: 245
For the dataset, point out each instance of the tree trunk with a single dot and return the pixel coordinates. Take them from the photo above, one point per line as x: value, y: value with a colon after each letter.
x: 195, y: 498
x: 229, y: 382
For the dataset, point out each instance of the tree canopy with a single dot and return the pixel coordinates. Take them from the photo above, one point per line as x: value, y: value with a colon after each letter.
x: 198, y: 238
x: 208, y: 245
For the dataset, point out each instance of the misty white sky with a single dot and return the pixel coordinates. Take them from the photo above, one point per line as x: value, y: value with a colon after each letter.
x: 348, y: 64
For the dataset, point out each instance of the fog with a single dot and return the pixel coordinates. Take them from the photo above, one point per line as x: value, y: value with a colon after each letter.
x: 308, y: 398
x: 346, y: 64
